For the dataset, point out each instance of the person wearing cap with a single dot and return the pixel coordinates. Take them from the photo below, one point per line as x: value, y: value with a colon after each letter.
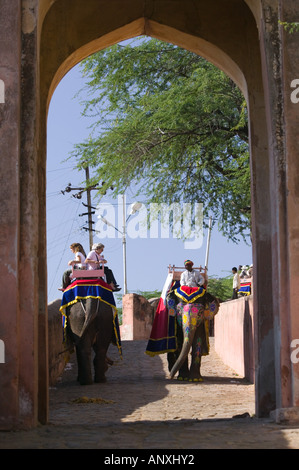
x: 190, y: 277
x: 95, y: 259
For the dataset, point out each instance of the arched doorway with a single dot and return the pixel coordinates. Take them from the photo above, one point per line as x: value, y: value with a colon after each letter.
x: 217, y: 44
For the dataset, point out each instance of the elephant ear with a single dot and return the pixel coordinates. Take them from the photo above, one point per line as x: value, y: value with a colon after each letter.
x: 211, y: 308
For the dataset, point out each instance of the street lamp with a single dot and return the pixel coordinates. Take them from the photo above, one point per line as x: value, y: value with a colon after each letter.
x: 134, y: 208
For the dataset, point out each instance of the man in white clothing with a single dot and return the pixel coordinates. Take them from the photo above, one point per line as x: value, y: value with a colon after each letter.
x: 236, y: 283
x: 190, y: 277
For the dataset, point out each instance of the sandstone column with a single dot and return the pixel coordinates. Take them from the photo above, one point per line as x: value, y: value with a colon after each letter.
x: 280, y: 65
x: 10, y: 58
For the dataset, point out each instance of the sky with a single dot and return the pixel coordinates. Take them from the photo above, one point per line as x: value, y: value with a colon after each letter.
x: 147, y: 258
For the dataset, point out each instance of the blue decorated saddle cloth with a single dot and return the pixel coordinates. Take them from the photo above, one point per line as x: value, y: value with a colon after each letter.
x: 189, y: 294
x: 90, y: 288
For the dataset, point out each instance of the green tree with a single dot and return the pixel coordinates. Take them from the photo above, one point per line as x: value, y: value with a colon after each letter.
x: 290, y: 27
x: 221, y: 287
x: 171, y: 124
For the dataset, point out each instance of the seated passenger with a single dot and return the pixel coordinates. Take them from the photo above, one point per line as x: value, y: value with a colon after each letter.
x: 243, y: 274
x: 79, y: 262
x: 192, y: 278
x: 95, y: 259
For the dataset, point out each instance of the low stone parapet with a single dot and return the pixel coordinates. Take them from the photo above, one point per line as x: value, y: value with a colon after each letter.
x: 137, y: 317
x: 55, y: 339
x: 233, y: 326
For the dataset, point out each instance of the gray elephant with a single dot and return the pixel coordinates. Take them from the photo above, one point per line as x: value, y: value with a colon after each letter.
x: 192, y: 332
x: 91, y: 324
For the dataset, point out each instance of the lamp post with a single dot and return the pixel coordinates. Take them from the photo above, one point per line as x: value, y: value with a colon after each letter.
x: 208, y: 243
x: 134, y: 208
x: 124, y: 241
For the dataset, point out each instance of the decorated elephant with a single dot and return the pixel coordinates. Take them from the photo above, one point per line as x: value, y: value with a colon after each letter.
x: 182, y: 322
x: 90, y: 322
x: 193, y: 307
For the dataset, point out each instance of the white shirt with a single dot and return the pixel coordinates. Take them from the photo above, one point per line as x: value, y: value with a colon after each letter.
x: 236, y: 281
x: 94, y: 257
x: 80, y: 264
x: 191, y: 278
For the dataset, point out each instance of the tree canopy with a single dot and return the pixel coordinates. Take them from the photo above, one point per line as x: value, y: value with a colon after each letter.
x: 170, y: 124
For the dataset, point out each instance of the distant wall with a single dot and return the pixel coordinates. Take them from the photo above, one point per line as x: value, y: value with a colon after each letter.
x: 137, y: 318
x: 55, y: 339
x: 234, y: 335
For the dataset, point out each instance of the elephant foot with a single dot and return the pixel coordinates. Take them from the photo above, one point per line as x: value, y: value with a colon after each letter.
x: 85, y: 382
x: 200, y: 379
x: 100, y: 380
x: 182, y: 378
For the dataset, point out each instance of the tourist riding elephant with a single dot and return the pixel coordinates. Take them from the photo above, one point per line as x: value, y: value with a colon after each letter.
x: 90, y: 324
x: 192, y: 332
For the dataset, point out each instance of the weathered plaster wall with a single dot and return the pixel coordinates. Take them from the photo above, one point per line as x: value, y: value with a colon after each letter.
x: 234, y: 336
x: 137, y: 317
x: 10, y: 56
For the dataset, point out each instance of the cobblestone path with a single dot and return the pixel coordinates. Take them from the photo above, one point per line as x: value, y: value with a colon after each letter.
x: 139, y: 407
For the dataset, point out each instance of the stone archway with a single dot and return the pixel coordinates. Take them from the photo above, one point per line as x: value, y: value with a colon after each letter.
x: 44, y: 40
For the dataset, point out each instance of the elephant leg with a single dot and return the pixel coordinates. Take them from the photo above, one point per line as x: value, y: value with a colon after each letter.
x: 83, y: 353
x: 99, y: 362
x: 100, y: 347
x: 196, y: 357
x: 184, y: 368
x: 200, y: 347
x: 172, y: 357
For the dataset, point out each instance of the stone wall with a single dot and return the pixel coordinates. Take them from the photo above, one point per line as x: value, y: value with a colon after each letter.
x: 234, y: 335
x: 138, y: 317
x: 56, y: 359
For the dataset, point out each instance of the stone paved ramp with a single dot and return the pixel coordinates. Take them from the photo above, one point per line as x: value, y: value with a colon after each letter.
x: 140, y: 408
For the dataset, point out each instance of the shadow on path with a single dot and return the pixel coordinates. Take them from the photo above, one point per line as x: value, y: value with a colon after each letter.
x: 140, y: 408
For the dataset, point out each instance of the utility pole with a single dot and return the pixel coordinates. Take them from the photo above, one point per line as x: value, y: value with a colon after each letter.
x: 88, y: 190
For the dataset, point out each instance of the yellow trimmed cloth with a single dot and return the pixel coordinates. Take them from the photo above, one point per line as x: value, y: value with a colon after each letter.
x: 90, y: 288
x: 189, y: 294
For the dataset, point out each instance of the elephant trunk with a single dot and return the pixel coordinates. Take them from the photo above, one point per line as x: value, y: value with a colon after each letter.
x: 188, y: 339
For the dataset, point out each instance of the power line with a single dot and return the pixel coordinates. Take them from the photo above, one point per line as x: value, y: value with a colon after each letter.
x: 64, y: 249
x: 69, y: 188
